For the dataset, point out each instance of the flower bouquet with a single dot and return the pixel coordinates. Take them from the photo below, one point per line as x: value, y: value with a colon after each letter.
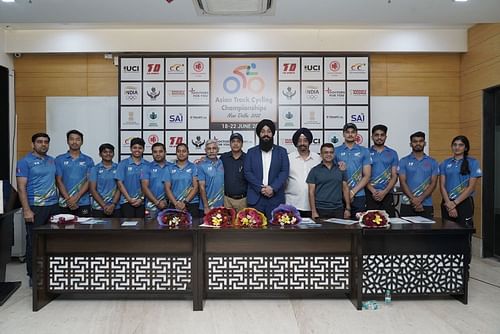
x: 285, y: 214
x: 219, y: 217
x: 374, y: 219
x: 250, y: 217
x: 174, y: 218
x: 64, y: 219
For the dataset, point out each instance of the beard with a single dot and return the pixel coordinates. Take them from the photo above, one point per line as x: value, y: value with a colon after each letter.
x: 266, y: 144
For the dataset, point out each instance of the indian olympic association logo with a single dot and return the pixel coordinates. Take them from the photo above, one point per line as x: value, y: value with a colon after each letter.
x: 197, y: 142
x: 131, y: 93
x: 153, y: 93
x: 312, y: 92
x: 289, y: 93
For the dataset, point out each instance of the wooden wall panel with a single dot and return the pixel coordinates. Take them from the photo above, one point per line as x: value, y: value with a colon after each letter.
x: 42, y: 75
x: 480, y: 69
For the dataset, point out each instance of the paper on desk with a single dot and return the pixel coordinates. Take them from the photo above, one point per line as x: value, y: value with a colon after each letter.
x: 341, y: 221
x: 83, y: 219
x: 419, y: 220
x: 90, y: 221
x: 129, y: 223
x: 399, y: 221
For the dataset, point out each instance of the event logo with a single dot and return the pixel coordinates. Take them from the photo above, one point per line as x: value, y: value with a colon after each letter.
x: 153, y: 139
x: 131, y: 69
x: 176, y: 68
x: 153, y: 69
x: 176, y: 92
x: 153, y: 93
x: 289, y: 115
x: 289, y: 93
x: 289, y: 68
x: 334, y: 93
x: 334, y: 139
x: 334, y: 66
x: 359, y: 139
x: 198, y: 94
x: 312, y: 68
x: 358, y: 92
x: 312, y: 92
x: 358, y: 68
x: 130, y: 116
x: 198, y: 66
x: 131, y: 93
x: 176, y: 118
x: 153, y: 115
x: 128, y: 140
x: 198, y: 142
x: 246, y: 78
x: 358, y: 118
x: 174, y: 141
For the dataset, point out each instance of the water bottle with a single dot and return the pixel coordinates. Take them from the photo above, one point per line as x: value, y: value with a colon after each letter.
x: 387, y: 298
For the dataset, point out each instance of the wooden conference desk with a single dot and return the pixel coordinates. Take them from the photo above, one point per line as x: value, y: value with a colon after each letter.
x: 149, y: 261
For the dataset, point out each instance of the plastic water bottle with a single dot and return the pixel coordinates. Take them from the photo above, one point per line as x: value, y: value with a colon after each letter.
x: 387, y: 298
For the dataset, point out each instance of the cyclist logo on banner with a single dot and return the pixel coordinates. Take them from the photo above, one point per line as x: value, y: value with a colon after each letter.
x: 243, y: 92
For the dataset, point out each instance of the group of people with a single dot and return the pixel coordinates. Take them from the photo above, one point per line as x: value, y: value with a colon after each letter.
x: 339, y: 182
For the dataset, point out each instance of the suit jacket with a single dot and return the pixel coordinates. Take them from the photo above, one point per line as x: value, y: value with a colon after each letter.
x: 278, y: 173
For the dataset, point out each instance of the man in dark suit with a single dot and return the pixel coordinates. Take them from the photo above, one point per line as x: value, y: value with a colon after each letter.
x: 266, y: 170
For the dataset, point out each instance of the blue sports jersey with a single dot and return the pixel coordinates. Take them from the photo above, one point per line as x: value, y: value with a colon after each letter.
x: 418, y: 175
x: 130, y: 174
x: 355, y: 159
x: 455, y: 182
x: 105, y: 184
x: 155, y: 174
x: 382, y: 164
x: 74, y: 173
x: 41, y: 179
x: 212, y: 173
x: 181, y: 180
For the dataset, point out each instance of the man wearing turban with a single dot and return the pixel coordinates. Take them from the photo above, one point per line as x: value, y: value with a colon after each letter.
x: 266, y: 169
x: 301, y: 162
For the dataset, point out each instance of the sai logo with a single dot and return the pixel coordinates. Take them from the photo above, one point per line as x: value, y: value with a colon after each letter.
x: 246, y: 78
x: 358, y: 118
x: 176, y: 118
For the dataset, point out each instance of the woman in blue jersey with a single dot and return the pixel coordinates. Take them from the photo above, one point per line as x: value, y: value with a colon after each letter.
x: 181, y: 183
x: 458, y: 178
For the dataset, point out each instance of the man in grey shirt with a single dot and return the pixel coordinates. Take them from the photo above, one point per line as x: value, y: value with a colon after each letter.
x: 327, y: 186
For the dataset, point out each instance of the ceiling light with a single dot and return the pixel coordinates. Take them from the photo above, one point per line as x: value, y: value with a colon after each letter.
x: 8, y: 0
x: 460, y: 0
x: 233, y: 7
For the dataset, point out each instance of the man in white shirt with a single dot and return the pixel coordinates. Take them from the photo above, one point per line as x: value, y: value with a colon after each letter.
x: 301, y: 163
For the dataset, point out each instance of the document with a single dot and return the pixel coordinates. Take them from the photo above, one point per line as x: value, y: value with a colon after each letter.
x: 419, y: 220
x: 129, y: 223
x: 341, y: 221
x: 399, y: 221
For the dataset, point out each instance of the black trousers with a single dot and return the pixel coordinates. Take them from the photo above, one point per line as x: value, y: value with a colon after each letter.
x: 407, y: 210
x: 386, y: 204
x: 42, y: 215
x: 101, y: 214
x: 129, y: 211
x: 82, y: 211
x: 330, y: 213
x: 465, y: 212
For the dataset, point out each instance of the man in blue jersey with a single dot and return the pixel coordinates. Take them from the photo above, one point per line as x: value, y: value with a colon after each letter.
x: 36, y: 185
x: 211, y: 178
x: 103, y: 188
x: 72, y: 171
x: 128, y: 179
x: 418, y: 175
x: 384, y: 173
x: 152, y: 181
x: 357, y: 162
x: 181, y: 183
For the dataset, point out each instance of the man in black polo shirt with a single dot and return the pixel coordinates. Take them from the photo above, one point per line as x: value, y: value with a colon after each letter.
x: 327, y: 187
x: 235, y: 184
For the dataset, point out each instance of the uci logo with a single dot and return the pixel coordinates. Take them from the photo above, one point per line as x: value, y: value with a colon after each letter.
x: 246, y: 78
